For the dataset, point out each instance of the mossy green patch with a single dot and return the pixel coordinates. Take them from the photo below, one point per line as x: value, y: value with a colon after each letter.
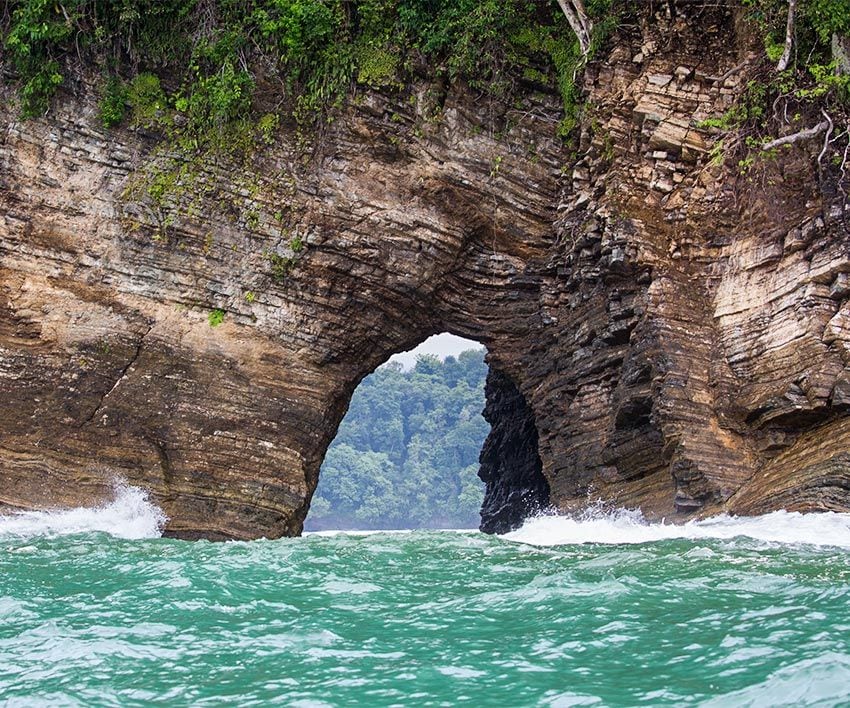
x: 215, y: 317
x: 194, y: 68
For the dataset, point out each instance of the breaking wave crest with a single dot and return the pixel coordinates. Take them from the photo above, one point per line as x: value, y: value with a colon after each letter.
x: 629, y: 527
x: 131, y: 514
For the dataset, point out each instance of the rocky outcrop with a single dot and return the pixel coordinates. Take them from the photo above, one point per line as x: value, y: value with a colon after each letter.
x: 510, y: 465
x: 677, y: 329
x: 397, y: 226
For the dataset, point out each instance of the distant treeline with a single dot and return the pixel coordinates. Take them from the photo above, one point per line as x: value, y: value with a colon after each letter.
x: 406, y: 454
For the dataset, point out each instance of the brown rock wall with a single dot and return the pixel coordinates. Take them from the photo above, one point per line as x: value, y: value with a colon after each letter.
x: 678, y: 331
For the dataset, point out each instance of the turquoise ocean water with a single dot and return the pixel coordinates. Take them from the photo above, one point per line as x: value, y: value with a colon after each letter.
x: 97, y: 610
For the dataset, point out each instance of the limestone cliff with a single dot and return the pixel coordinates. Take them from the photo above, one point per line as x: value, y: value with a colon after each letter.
x: 678, y: 333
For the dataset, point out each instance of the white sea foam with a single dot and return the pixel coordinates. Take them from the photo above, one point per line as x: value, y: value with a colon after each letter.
x: 625, y: 526
x: 131, y: 514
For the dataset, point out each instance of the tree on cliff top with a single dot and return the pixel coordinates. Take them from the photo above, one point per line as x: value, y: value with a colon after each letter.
x: 579, y: 20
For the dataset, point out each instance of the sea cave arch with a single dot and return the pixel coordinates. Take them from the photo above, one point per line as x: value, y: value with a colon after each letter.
x: 212, y: 367
x: 502, y: 445
x: 204, y: 347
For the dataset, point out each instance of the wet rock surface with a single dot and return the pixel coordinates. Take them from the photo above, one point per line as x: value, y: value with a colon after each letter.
x: 510, y: 465
x: 677, y: 330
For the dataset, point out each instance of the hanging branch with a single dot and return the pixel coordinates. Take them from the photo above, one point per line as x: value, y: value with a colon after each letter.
x: 789, y: 36
x: 580, y: 22
x: 806, y: 134
x: 828, y: 135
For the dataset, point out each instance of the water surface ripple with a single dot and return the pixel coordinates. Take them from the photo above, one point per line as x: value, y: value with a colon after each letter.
x: 432, y: 618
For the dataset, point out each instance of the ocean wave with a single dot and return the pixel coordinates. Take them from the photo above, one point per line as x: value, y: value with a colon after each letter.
x: 131, y: 514
x: 330, y: 533
x: 629, y: 527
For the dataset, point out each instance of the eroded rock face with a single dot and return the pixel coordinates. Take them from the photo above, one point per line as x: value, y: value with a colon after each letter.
x: 678, y: 331
x: 510, y: 464
x: 110, y: 368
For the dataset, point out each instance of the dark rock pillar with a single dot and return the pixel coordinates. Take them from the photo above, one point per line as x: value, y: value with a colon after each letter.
x: 510, y: 463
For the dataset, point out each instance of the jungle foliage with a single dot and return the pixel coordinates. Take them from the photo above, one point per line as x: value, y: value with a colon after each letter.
x: 812, y: 66
x: 806, y: 97
x: 406, y: 454
x: 201, y: 67
x: 209, y: 63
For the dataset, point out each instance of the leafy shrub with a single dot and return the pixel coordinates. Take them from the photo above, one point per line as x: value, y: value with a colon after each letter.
x: 36, y: 27
x: 281, y: 265
x: 213, y: 101
x: 38, y: 88
x: 377, y: 66
x: 825, y: 17
x: 267, y: 126
x: 147, y: 98
x: 215, y: 317
x: 113, y: 102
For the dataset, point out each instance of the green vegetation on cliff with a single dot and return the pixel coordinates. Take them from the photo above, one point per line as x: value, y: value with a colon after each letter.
x: 406, y: 454
x: 213, y: 63
x: 197, y: 68
x: 798, y: 91
x: 809, y: 36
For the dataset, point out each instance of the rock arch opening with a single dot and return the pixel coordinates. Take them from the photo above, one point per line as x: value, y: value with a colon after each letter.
x: 433, y: 438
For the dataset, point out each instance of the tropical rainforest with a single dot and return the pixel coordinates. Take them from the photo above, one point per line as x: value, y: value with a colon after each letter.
x: 406, y: 453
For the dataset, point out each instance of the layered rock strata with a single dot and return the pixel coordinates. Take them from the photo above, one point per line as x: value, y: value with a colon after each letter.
x: 678, y: 331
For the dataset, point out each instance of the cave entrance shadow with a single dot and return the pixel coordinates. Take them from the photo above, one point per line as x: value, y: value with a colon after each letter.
x: 510, y: 464
x: 415, y: 446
